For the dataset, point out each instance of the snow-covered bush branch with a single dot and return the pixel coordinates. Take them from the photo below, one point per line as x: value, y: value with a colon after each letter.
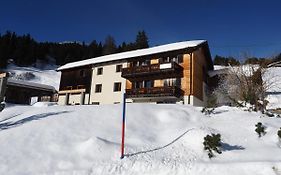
x: 245, y: 84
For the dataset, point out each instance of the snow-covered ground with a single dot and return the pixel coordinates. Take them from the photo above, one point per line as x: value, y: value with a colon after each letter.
x: 160, y: 139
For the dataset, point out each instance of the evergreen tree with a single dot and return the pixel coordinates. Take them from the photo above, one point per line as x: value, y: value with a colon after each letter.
x: 95, y: 49
x: 225, y: 61
x: 141, y: 40
x: 109, y: 46
x: 24, y: 50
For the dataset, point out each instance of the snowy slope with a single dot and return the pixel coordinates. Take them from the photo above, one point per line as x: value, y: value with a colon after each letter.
x: 80, y: 140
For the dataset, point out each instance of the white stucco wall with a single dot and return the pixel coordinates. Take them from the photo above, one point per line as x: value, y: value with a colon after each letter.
x: 193, y: 101
x: 196, y: 102
x: 107, y: 79
x: 86, y: 99
x: 61, y: 99
x: 74, y: 99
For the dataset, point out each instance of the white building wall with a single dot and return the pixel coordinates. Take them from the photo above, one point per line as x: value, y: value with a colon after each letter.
x: 193, y: 101
x: 196, y: 102
x: 86, y: 99
x: 74, y: 99
x: 107, y: 79
x: 61, y: 100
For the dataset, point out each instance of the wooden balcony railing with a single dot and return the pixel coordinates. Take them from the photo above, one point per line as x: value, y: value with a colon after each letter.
x: 169, y: 91
x: 171, y: 69
x: 73, y: 87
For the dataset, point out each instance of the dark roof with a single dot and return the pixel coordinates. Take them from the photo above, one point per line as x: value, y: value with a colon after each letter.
x: 31, y: 85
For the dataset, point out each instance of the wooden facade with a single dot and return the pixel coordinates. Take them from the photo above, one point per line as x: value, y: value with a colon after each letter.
x: 171, y: 76
x: 191, y: 70
x: 75, y: 80
x: 22, y: 95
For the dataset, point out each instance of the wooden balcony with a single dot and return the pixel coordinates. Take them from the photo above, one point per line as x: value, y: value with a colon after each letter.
x: 165, y: 70
x: 169, y: 91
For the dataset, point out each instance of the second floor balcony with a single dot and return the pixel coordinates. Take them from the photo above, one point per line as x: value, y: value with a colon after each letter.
x: 168, y: 91
x: 164, y: 70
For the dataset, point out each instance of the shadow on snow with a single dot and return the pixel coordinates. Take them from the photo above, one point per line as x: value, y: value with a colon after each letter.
x: 159, y: 148
x: 227, y: 147
x: 8, y: 125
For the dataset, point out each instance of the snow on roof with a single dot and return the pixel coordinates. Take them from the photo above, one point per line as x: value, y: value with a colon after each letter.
x: 30, y: 85
x: 134, y: 53
x: 275, y: 64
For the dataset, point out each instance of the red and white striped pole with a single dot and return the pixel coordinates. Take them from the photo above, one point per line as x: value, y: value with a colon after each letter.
x: 123, y: 126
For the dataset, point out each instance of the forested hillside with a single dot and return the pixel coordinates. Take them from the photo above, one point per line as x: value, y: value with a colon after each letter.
x: 24, y: 50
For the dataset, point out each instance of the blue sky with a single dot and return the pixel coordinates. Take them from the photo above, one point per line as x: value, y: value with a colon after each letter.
x: 232, y: 28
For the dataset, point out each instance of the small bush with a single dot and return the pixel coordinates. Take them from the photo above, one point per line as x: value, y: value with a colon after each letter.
x: 279, y: 133
x: 207, y: 111
x: 212, y: 143
x: 260, y: 129
x: 269, y: 114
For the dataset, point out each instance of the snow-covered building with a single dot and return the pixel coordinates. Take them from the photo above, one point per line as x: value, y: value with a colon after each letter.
x: 171, y: 73
x: 23, y: 92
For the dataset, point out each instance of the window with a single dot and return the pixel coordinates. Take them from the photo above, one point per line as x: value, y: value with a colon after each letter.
x: 80, y: 86
x: 82, y: 73
x: 148, y: 83
x: 180, y: 58
x: 172, y: 82
x: 100, y: 70
x: 117, y: 87
x: 118, y: 68
x: 138, y: 84
x: 98, y: 88
x: 165, y: 60
x: 68, y: 88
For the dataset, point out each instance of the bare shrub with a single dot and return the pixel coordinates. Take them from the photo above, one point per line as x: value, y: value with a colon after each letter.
x: 244, y: 85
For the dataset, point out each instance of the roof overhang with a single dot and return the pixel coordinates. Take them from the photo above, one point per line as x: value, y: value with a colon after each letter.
x: 140, y: 53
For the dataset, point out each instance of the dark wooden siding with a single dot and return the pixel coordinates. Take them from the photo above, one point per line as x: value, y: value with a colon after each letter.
x: 199, y: 73
x: 78, y: 78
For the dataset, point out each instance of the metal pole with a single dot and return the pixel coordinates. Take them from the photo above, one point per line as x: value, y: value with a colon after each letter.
x: 123, y: 126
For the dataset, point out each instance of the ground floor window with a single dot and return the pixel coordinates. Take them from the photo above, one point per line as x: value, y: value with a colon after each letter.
x: 98, y: 88
x: 117, y: 87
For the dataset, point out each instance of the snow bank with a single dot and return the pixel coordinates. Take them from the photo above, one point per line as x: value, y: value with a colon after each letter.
x: 160, y: 139
x: 44, y: 104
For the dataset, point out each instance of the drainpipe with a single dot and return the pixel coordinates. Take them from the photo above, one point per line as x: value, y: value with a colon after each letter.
x: 190, y: 82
